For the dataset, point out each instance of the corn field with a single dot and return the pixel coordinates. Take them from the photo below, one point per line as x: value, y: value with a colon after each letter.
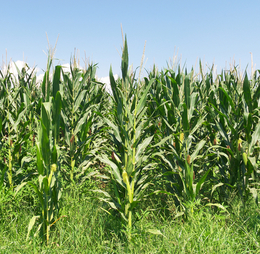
x: 175, y: 133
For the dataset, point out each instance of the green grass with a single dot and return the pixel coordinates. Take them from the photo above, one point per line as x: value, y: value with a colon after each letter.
x: 88, y: 229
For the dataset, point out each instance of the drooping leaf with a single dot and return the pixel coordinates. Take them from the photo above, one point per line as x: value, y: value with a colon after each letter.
x: 141, y: 147
x: 199, y: 146
x: 31, y: 224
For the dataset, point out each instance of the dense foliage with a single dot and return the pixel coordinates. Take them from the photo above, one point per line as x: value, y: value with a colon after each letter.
x: 183, y: 135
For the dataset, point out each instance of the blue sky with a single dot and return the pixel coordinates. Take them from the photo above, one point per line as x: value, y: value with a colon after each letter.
x: 214, y: 31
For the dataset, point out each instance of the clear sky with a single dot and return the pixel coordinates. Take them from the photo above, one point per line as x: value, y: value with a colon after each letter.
x: 214, y: 31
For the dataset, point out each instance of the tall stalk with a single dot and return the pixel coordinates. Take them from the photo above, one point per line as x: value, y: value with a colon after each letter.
x: 130, y: 144
x: 48, y: 161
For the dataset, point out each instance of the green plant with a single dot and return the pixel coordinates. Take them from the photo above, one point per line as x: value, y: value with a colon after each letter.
x: 129, y: 155
x: 48, y: 165
x: 82, y: 97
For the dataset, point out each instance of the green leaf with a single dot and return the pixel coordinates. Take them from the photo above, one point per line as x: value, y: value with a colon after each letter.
x: 124, y: 63
x: 25, y: 159
x: 164, y: 140
x: 188, y: 181
x: 79, y: 100
x: 247, y: 93
x: 187, y: 91
x: 45, y: 116
x: 31, y: 224
x: 20, y: 186
x: 185, y: 121
x: 248, y: 122
x: 255, y: 138
x: 198, y: 124
x: 38, y: 191
x: 112, y: 204
x: 254, y: 193
x: 229, y: 98
x: 178, y: 214
x: 201, y: 182
x: 193, y: 98
x: 142, y: 100
x: 119, y: 111
x: 113, y: 85
x: 141, y: 147
x: 168, y: 162
x: 216, y: 186
x: 115, y: 129
x: 217, y: 205
x: 114, y: 167
x: 39, y: 160
x: 57, y: 105
x: 103, y: 192
x: 56, y: 81
x: 199, y: 146
x: 46, y: 86
x: 82, y: 121
x: 155, y: 232
x: 18, y: 120
x: 175, y: 94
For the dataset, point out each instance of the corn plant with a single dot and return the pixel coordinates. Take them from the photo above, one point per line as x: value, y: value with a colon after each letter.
x: 128, y: 157
x: 235, y: 118
x: 48, y: 164
x: 82, y: 96
x: 7, y: 107
x: 17, y: 119
x: 182, y: 142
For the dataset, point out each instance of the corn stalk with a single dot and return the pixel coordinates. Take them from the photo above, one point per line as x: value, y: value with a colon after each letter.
x: 128, y: 157
x: 48, y: 165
